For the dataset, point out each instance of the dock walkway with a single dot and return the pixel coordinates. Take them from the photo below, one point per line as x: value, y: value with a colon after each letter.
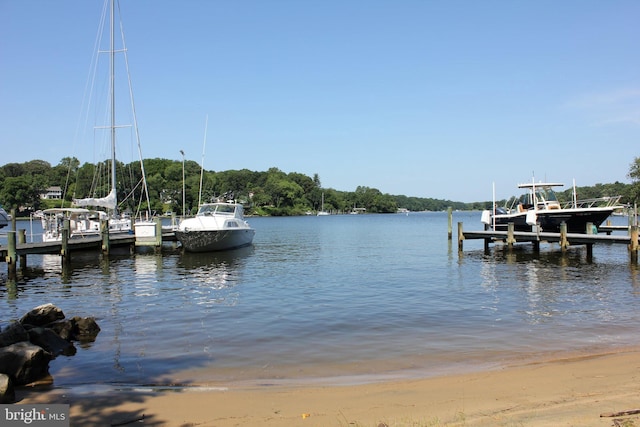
x: 564, y: 239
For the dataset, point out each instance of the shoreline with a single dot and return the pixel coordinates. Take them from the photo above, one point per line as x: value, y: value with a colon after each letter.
x: 570, y: 390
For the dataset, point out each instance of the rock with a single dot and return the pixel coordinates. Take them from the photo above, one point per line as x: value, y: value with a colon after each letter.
x: 51, y: 342
x: 87, y: 328
x: 12, y: 334
x: 24, y: 362
x: 66, y: 329
x: 7, y: 392
x: 83, y: 329
x: 42, y: 315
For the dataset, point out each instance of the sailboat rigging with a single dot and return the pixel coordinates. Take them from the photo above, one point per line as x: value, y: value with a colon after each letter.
x: 86, y: 222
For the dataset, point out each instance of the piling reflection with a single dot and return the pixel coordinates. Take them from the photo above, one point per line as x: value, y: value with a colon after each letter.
x: 556, y: 284
x: 212, y: 277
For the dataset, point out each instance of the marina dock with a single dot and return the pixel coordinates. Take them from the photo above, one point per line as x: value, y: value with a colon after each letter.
x: 564, y: 239
x: 17, y: 249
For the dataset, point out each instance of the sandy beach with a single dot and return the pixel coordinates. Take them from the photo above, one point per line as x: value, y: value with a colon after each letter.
x: 569, y: 391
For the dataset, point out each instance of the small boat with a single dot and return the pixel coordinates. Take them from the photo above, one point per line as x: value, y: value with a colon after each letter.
x: 539, y: 207
x: 217, y: 226
x: 5, y: 218
x: 322, y: 212
x: 82, y: 223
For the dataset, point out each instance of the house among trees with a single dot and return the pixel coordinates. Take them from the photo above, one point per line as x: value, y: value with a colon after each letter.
x: 52, y: 193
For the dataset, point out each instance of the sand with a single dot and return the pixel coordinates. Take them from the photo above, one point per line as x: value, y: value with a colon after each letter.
x: 567, y: 391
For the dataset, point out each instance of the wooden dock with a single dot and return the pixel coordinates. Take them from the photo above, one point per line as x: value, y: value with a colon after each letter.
x: 564, y: 239
x: 17, y: 249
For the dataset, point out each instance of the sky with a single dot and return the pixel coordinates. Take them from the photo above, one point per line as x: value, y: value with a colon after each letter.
x: 425, y: 98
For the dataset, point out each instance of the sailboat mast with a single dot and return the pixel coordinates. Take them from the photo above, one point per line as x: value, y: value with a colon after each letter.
x: 112, y: 73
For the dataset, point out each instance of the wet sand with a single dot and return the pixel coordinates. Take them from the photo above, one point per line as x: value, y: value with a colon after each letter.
x: 567, y: 391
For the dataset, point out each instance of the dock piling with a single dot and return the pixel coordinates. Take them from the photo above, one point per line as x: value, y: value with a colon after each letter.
x: 591, y: 229
x: 510, y: 235
x: 633, y: 244
x: 104, y: 233
x: 11, y: 254
x: 64, y: 250
x: 564, y: 243
x: 22, y: 238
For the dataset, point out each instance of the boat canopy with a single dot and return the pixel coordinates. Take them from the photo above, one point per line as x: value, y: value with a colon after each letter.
x: 540, y: 185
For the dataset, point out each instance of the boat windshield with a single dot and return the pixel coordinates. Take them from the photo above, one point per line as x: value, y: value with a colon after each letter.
x: 216, y: 209
x: 546, y: 194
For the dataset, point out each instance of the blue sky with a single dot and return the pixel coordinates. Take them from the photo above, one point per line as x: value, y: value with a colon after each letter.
x: 425, y: 98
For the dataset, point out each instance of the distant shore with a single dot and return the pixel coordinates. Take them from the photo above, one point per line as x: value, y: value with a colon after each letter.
x: 570, y: 391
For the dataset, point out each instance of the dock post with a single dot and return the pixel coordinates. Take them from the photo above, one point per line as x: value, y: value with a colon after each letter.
x: 460, y: 236
x: 564, y: 243
x: 633, y: 246
x: 11, y: 254
x: 510, y: 239
x: 536, y: 246
x: 64, y: 250
x: 590, y: 230
x: 104, y: 233
x: 22, y: 239
x: 450, y: 216
x: 158, y: 222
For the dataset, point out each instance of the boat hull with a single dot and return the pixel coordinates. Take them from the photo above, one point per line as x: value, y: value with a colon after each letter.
x: 214, y: 240
x: 550, y: 221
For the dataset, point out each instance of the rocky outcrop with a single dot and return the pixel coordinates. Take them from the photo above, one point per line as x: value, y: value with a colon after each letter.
x: 12, y: 334
x: 24, y: 362
x: 7, y: 393
x: 42, y: 315
x: 28, y: 345
x: 51, y: 342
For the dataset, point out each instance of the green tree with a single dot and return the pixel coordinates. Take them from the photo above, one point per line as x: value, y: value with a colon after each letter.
x: 20, y: 191
x: 633, y: 192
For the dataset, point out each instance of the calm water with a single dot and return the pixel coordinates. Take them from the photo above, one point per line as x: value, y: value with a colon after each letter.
x: 336, y: 298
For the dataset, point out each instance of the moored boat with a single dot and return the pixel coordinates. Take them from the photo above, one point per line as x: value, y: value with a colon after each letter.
x: 87, y: 213
x: 216, y: 227
x: 82, y: 223
x: 539, y: 207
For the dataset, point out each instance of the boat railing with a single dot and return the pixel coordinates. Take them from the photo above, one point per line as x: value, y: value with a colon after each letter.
x: 597, y: 202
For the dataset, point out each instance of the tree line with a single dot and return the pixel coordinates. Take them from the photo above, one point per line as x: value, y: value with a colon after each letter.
x: 272, y: 192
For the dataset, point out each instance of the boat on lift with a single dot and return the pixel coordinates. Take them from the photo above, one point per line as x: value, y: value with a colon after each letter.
x: 539, y: 209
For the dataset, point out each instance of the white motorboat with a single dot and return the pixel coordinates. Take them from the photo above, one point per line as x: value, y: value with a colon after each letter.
x: 539, y: 209
x: 216, y: 227
x: 82, y: 223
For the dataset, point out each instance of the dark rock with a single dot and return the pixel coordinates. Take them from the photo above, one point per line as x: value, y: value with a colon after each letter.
x: 24, y: 362
x: 12, y: 334
x: 67, y: 329
x: 51, y: 342
x: 87, y: 328
x: 7, y: 392
x: 42, y: 315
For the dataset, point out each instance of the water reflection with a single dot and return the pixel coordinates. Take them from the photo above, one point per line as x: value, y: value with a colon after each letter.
x: 212, y: 277
x: 552, y: 284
